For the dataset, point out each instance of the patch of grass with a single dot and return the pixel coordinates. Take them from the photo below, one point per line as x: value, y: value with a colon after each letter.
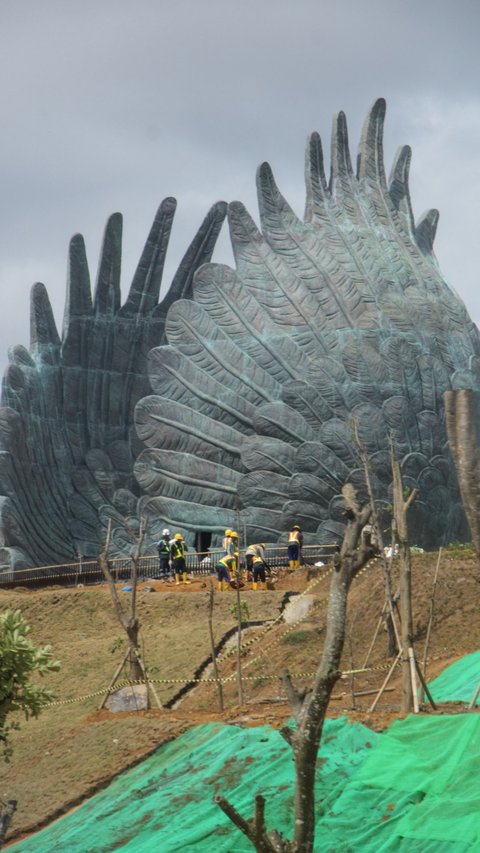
x: 297, y: 637
x: 459, y: 549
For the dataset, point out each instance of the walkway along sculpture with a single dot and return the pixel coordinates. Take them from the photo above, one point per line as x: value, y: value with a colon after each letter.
x: 245, y: 381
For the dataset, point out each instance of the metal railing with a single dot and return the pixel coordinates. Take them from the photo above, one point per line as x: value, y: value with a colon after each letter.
x: 89, y: 572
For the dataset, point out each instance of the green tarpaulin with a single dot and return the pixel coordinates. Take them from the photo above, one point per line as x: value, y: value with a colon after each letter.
x: 459, y: 681
x: 413, y: 789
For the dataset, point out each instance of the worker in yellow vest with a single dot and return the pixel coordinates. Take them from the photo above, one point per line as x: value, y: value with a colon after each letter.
x: 258, y: 568
x: 256, y: 564
x: 295, y: 543
x: 224, y: 567
x: 227, y: 540
x: 178, y: 549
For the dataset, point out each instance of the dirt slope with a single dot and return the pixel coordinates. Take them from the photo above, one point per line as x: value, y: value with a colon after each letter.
x: 73, y: 749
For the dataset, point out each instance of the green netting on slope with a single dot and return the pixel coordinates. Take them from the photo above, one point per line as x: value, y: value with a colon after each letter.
x: 459, y: 681
x: 414, y: 791
x: 424, y: 776
x: 165, y: 803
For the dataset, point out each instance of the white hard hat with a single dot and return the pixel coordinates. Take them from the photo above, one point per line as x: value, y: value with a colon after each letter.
x: 166, y: 532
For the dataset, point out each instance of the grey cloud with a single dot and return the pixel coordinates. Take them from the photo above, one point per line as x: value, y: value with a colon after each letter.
x: 114, y: 105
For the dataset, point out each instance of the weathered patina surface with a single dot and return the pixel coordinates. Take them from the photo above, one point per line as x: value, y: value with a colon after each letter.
x: 243, y: 383
x: 67, y: 436
x: 341, y: 316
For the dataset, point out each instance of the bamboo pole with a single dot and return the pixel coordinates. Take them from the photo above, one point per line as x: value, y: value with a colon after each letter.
x: 239, y: 620
x: 149, y: 683
x: 117, y: 673
x: 424, y: 685
x: 430, y: 619
x: 387, y: 679
x: 411, y: 660
x: 375, y: 635
x: 474, y: 699
x: 212, y: 646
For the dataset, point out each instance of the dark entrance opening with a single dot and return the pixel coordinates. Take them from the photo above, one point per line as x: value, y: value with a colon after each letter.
x: 203, y: 540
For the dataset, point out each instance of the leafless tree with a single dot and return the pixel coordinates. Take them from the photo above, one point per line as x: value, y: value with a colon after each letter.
x: 310, y: 706
x: 390, y: 621
x: 401, y: 505
x: 128, y: 621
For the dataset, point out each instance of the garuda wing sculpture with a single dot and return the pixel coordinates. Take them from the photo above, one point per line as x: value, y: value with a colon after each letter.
x: 67, y: 440
x: 342, y: 316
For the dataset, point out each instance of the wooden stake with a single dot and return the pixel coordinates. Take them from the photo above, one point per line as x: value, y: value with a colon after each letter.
x: 430, y: 619
x: 380, y: 620
x: 239, y: 619
x: 148, y: 683
x: 411, y: 660
x: 424, y: 685
x: 474, y: 699
x: 212, y: 646
x: 117, y: 673
x: 389, y: 675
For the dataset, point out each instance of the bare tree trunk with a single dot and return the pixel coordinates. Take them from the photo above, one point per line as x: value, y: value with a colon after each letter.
x: 390, y: 623
x: 400, y: 509
x: 309, y: 707
x: 130, y: 623
x: 462, y: 409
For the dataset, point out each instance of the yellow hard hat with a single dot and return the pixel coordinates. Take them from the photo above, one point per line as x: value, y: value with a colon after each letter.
x: 228, y: 532
x: 295, y: 527
x: 178, y: 536
x: 262, y: 545
x: 233, y: 534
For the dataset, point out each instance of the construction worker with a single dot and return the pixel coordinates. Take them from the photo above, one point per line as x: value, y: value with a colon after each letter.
x: 258, y: 566
x: 295, y: 542
x: 227, y: 540
x: 223, y: 567
x: 230, y: 542
x: 178, y: 549
x: 251, y: 552
x: 163, y: 548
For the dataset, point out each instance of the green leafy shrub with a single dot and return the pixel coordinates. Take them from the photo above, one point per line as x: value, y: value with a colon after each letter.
x: 19, y: 659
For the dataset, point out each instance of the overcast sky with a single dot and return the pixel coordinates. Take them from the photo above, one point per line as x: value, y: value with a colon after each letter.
x: 112, y: 105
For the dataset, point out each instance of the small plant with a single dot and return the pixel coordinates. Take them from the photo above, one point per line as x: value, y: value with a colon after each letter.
x: 117, y: 644
x: 244, y: 611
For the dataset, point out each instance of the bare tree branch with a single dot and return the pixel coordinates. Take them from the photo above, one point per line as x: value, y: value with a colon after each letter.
x: 309, y: 707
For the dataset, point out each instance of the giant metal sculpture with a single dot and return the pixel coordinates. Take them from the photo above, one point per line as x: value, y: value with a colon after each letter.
x: 67, y: 440
x: 260, y: 375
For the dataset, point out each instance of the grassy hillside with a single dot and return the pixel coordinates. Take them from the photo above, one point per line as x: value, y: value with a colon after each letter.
x: 73, y: 749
